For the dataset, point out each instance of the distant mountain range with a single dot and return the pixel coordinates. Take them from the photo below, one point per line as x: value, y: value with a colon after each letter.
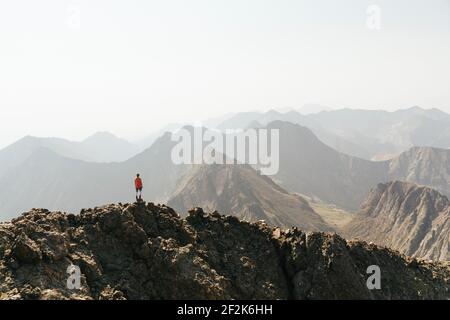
x: 100, y: 147
x: 307, y: 166
x: 369, y: 134
x: 410, y: 216
x: 310, y: 167
x: 412, y: 219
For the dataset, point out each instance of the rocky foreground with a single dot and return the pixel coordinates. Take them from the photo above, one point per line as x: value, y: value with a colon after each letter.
x: 148, y: 252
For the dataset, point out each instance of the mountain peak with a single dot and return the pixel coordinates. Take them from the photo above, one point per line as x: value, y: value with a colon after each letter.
x: 273, y: 112
x: 416, y: 108
x: 102, y: 135
x: 107, y: 147
x: 240, y: 190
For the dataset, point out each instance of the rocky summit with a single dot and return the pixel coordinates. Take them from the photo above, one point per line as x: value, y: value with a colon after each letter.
x: 147, y: 251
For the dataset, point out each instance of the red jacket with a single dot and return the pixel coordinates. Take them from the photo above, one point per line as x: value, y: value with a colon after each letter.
x: 138, y: 183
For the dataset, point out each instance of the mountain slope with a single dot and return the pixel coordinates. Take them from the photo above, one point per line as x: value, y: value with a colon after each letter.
x: 423, y: 165
x: 15, y: 154
x: 149, y: 252
x: 50, y: 180
x: 47, y: 179
x: 241, y: 191
x: 412, y: 219
x: 310, y: 167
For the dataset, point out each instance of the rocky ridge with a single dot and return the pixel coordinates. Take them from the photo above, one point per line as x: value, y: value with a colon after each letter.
x: 407, y: 217
x: 147, y: 251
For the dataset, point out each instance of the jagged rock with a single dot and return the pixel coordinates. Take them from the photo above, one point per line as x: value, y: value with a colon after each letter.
x: 25, y: 250
x: 109, y: 293
x: 148, y: 252
x: 412, y: 219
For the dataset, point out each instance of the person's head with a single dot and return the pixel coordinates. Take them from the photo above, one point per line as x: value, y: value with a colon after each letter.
x: 138, y: 175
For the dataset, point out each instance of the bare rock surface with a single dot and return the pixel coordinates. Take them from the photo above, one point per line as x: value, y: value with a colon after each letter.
x: 147, y: 251
x: 412, y: 219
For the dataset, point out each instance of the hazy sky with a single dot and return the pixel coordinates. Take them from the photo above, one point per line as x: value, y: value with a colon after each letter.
x: 70, y: 68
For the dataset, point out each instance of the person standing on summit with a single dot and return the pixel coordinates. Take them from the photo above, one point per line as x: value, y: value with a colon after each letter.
x: 138, y: 184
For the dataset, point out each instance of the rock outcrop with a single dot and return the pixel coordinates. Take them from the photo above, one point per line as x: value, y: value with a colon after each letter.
x: 148, y: 252
x: 406, y: 217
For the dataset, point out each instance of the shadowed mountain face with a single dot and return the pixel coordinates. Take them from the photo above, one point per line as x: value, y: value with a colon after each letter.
x: 149, y: 252
x: 412, y: 219
x: 241, y: 191
x: 310, y: 167
x: 257, y: 119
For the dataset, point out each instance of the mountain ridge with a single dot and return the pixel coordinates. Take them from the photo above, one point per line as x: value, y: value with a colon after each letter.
x: 130, y: 251
x: 241, y: 191
x: 101, y: 147
x: 410, y: 218
x: 307, y: 166
x: 367, y: 134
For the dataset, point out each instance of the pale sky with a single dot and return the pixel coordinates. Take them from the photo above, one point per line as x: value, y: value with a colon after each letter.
x: 69, y: 68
